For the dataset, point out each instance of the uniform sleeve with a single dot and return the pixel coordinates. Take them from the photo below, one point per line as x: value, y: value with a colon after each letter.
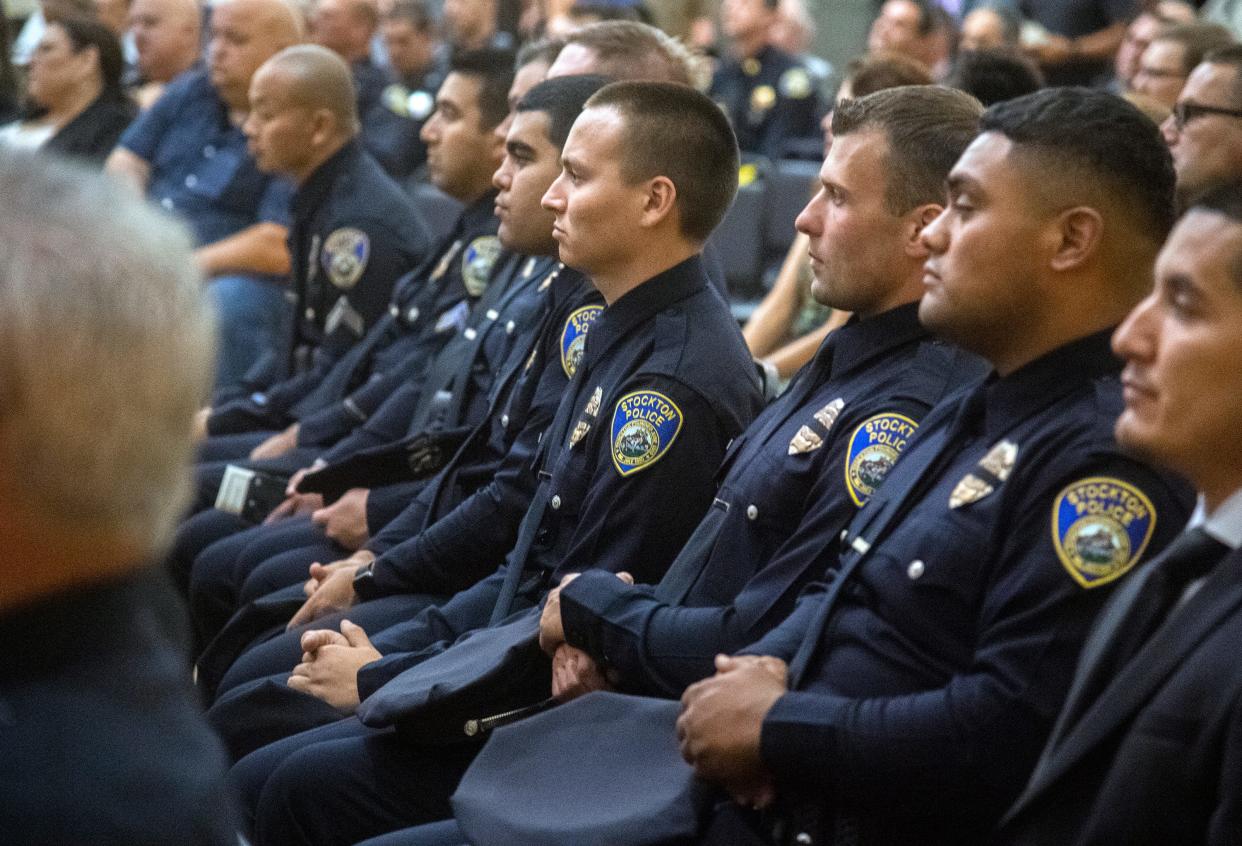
x: 276, y: 203
x: 976, y: 738
x: 387, y: 424
x: 636, y: 517
x: 144, y: 135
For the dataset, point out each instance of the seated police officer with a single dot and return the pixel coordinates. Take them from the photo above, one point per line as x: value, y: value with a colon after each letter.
x: 107, y: 352
x: 188, y: 153
x: 353, y: 231
x: 1146, y: 748
x: 664, y: 382
x: 933, y: 663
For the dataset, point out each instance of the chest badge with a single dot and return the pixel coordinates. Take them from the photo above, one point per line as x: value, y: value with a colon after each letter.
x: 993, y: 469
x: 874, y: 448
x: 644, y: 426
x: 588, y: 417
x: 573, y: 337
x: 807, y: 439
x: 477, y: 263
x: 1100, y: 528
x: 345, y: 255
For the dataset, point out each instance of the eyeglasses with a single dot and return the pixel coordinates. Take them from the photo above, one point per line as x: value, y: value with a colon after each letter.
x: 1185, y: 112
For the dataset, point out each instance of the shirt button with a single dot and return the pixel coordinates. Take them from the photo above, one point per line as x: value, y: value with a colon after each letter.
x: 411, y: 315
x: 556, y: 502
x: 470, y: 333
x: 916, y: 568
x: 167, y: 203
x: 310, y: 314
x: 191, y: 181
x: 394, y: 311
x: 509, y: 327
x: 504, y: 420
x: 803, y: 839
x: 752, y: 512
x: 209, y: 152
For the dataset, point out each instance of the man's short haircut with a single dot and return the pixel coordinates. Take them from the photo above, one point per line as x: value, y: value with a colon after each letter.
x: 413, y: 12
x: 320, y: 79
x: 1196, y: 40
x: 927, y: 129
x: 561, y: 99
x: 628, y: 50
x: 877, y: 71
x: 1226, y: 200
x: 543, y: 50
x: 674, y: 131
x: 993, y: 76
x: 105, y: 351
x: 1230, y: 57
x: 1088, y: 137
x: 494, y: 71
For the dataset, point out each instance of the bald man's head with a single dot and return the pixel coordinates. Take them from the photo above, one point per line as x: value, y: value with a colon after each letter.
x: 245, y: 34
x: 302, y: 110
x: 166, y: 36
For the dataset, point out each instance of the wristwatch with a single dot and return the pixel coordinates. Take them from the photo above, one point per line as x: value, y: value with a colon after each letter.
x: 364, y: 583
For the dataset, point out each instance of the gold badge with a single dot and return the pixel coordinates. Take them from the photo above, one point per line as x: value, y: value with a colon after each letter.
x: 795, y: 84
x: 998, y: 463
x: 805, y: 441
x: 551, y: 277
x: 751, y: 66
x: 762, y: 98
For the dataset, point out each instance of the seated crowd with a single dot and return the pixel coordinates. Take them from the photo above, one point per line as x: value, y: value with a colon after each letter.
x: 494, y: 527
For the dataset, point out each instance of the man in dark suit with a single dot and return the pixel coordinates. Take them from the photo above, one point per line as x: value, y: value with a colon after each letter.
x: 1148, y: 748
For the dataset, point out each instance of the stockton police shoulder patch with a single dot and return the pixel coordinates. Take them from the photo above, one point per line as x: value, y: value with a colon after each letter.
x: 573, y: 337
x: 873, y: 450
x: 644, y: 426
x: 1100, y: 528
x: 477, y: 262
x: 345, y: 255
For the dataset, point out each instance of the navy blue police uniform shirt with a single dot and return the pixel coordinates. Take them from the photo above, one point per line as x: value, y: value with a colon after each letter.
x: 626, y: 466
x: 391, y: 128
x: 443, y: 543
x: 354, y: 233
x: 428, y: 306
x: 821, y: 448
x: 769, y: 98
x: 926, y: 674
x: 200, y: 167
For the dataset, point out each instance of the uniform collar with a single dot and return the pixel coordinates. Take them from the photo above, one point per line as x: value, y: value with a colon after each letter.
x: 648, y: 299
x: 1044, y: 381
x: 862, y: 341
x: 1224, y: 524
x: 315, y: 189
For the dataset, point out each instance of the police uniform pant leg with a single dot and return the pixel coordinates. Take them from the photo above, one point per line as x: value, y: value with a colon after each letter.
x: 337, y: 792
x: 266, y: 711
x: 282, y: 652
x: 216, y: 575
x: 235, y: 447
x: 251, y: 772
x: 250, y: 312
x: 193, y: 536
x: 468, y: 610
x: 443, y: 833
x: 290, y: 566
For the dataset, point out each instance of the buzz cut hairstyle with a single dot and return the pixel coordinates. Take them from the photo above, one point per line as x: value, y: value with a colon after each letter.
x: 494, y: 70
x: 927, y: 129
x: 1225, y: 200
x: 1093, y: 138
x: 321, y: 79
x: 674, y: 131
x: 543, y: 50
x: 562, y: 100
x: 629, y: 50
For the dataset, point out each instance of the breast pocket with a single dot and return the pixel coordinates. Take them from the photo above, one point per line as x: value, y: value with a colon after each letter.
x: 229, y: 181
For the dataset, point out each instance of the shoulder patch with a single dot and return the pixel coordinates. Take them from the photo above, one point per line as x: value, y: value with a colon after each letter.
x: 477, y: 262
x: 345, y: 255
x: 795, y: 84
x: 573, y: 337
x: 1100, y: 528
x: 873, y: 450
x: 644, y: 426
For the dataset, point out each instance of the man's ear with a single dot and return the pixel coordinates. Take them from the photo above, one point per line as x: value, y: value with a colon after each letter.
x: 323, y: 127
x: 916, y: 221
x: 659, y: 201
x: 1078, y: 233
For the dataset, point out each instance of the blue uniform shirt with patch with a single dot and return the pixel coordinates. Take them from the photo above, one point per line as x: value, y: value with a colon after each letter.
x: 200, y: 167
x: 741, y: 570
x: 933, y: 662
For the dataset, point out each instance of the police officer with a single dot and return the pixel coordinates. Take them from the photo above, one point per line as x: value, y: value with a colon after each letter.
x: 353, y: 233
x: 188, y: 154
x: 907, y: 700
x: 767, y: 94
x: 663, y: 383
x: 860, y: 399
